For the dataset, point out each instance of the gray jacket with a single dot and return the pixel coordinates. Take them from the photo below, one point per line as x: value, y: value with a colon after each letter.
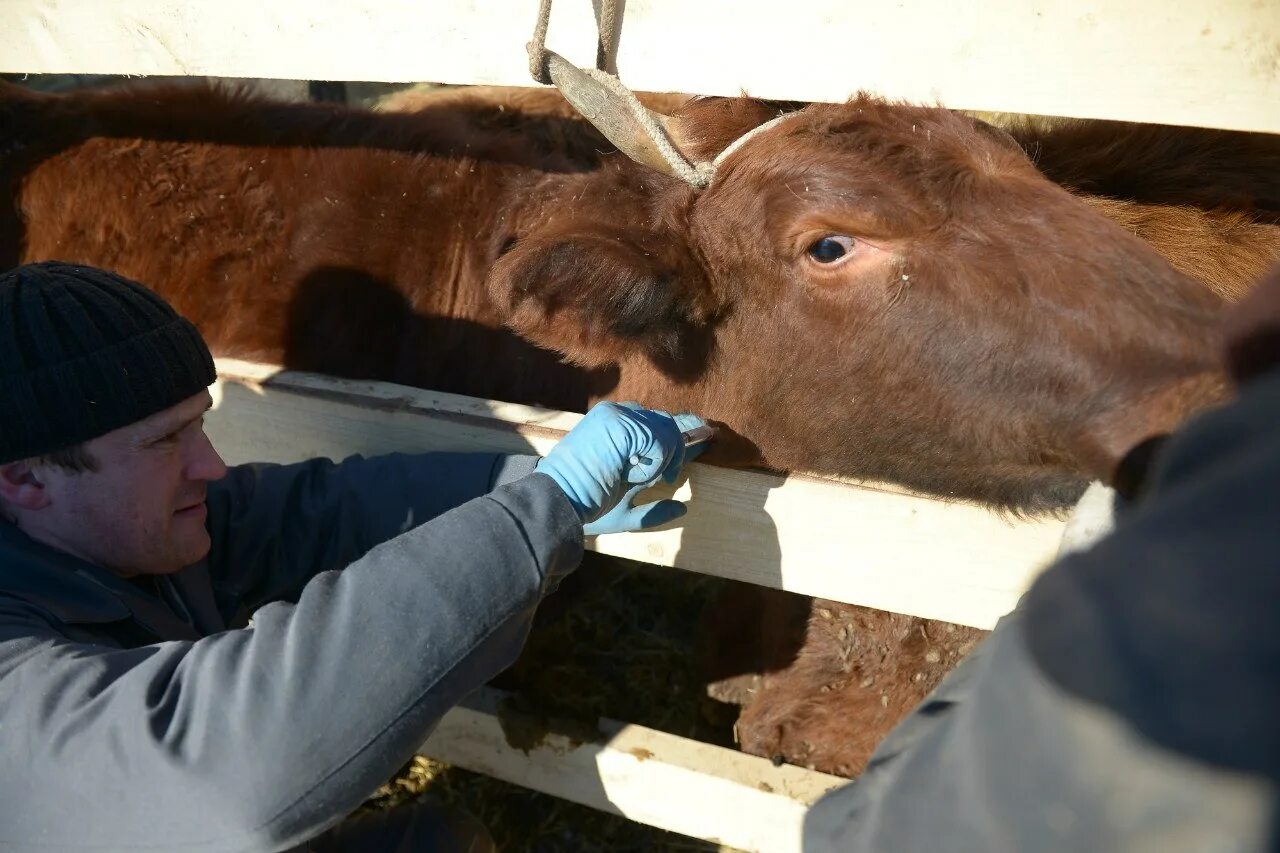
x: 154, y: 715
x: 1131, y: 702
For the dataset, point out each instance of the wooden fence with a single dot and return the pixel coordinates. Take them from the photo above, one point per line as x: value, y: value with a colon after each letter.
x: 1199, y: 62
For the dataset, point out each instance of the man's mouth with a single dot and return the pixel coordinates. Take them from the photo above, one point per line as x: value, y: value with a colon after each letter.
x: 191, y: 509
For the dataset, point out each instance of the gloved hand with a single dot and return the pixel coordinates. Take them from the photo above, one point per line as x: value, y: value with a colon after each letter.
x: 617, y: 451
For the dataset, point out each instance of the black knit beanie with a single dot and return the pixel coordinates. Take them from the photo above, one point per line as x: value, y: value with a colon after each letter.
x: 84, y: 351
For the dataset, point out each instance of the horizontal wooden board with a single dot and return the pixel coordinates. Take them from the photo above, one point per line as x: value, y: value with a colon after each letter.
x: 1198, y: 62
x: 859, y: 543
x: 649, y: 776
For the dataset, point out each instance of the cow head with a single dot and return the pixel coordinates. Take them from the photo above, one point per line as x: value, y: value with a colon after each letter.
x: 886, y: 291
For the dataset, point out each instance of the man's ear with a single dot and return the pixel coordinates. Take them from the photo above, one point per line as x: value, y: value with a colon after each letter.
x: 20, y: 488
x: 597, y: 294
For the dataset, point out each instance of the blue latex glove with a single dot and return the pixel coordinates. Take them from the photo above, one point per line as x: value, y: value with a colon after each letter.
x: 617, y: 451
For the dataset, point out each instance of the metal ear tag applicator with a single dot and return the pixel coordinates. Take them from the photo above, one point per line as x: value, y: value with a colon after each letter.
x: 690, y: 437
x: 698, y: 435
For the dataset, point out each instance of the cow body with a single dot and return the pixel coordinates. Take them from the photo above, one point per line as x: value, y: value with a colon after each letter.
x: 869, y: 290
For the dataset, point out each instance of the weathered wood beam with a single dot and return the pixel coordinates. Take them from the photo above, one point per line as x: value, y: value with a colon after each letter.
x: 859, y: 543
x: 649, y: 776
x: 1213, y: 63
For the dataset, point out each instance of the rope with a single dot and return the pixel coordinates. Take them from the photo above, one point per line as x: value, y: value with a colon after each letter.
x: 607, y: 32
x: 700, y: 174
x: 696, y: 174
x: 607, y: 37
x: 538, y: 46
x: 737, y: 143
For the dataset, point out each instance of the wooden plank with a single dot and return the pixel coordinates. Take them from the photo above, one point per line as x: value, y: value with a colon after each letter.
x: 860, y: 543
x: 649, y: 776
x: 1198, y: 62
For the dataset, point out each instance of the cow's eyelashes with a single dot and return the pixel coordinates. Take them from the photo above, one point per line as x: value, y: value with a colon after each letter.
x: 830, y: 249
x: 507, y: 245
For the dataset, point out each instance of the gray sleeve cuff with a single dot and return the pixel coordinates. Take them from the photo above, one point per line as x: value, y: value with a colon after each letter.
x: 512, y: 467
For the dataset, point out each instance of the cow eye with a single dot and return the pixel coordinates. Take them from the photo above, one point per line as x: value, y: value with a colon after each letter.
x: 830, y: 249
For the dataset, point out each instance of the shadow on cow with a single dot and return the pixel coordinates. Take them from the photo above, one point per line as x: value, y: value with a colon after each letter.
x: 347, y: 322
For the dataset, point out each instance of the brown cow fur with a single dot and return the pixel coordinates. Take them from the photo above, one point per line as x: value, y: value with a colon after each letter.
x: 831, y: 679
x: 821, y: 682
x: 1155, y: 164
x: 989, y: 336
x: 1227, y: 250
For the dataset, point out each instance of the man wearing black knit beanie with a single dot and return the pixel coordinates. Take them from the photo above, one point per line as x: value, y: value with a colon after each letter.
x: 201, y: 658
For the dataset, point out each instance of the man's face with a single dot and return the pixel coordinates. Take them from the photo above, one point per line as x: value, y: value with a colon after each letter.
x: 142, y: 511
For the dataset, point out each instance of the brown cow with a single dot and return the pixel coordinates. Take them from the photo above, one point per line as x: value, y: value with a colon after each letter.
x: 867, y: 289
x: 821, y: 681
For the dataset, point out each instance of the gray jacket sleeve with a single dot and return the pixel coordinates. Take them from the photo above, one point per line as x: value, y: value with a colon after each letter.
x: 999, y: 758
x: 274, y: 527
x: 256, y: 739
x: 1130, y: 703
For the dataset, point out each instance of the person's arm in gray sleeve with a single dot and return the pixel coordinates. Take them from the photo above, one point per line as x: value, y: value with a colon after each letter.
x: 262, y: 737
x: 274, y: 527
x: 259, y: 738
x: 1130, y: 702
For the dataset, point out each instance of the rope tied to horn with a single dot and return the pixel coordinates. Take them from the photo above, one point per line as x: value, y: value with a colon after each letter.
x: 610, y: 106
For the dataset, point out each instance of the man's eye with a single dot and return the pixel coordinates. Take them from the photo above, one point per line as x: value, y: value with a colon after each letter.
x: 172, y: 437
x: 167, y: 438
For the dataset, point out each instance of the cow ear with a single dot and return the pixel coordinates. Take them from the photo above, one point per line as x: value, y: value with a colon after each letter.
x: 598, y: 295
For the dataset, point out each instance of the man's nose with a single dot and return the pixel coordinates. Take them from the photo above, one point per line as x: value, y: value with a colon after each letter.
x: 205, y: 462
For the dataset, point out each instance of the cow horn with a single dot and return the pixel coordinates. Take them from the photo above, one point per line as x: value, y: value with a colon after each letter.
x: 615, y: 112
